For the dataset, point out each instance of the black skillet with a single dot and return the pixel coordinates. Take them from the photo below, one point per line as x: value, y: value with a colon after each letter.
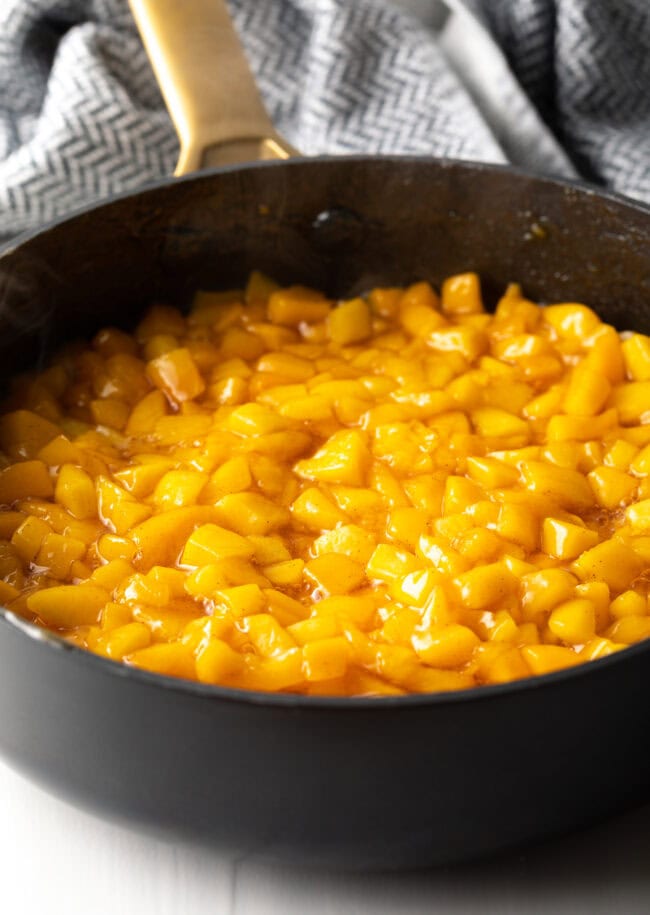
x: 394, y: 782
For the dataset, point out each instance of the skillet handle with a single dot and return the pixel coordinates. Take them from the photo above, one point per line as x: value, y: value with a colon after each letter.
x: 208, y: 87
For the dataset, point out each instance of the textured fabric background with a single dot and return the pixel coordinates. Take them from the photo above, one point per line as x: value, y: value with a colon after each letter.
x: 560, y: 86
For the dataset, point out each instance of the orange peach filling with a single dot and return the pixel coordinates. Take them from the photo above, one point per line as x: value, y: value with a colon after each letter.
x: 394, y: 493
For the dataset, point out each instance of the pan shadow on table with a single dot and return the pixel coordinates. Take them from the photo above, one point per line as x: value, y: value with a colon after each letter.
x: 600, y: 871
x: 604, y: 869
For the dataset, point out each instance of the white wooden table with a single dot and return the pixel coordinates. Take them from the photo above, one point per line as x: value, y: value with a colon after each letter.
x: 56, y: 860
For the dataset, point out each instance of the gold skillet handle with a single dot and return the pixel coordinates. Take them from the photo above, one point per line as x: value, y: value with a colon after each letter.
x: 208, y: 87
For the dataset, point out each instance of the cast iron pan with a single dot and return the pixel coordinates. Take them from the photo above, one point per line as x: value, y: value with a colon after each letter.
x: 392, y: 782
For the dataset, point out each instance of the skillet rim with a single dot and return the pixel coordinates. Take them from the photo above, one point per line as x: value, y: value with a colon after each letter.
x: 298, y: 701
x: 47, y: 637
x: 588, y: 188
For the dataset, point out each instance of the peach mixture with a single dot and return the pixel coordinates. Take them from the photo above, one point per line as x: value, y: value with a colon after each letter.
x: 394, y: 493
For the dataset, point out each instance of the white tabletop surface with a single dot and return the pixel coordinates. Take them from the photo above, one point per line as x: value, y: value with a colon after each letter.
x: 57, y: 860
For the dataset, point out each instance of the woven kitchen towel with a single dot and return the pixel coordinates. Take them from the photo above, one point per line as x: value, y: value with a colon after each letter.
x: 559, y: 86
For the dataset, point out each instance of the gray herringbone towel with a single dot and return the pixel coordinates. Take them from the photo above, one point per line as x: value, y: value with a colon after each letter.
x: 559, y: 86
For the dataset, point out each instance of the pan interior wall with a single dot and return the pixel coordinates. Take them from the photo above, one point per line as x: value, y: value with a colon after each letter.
x: 343, y: 225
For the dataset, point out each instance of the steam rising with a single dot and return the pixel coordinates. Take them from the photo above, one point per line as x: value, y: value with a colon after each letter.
x: 25, y: 314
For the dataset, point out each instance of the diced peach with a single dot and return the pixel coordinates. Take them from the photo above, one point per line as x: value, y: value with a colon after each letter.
x: 177, y: 375
x: 67, y: 606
